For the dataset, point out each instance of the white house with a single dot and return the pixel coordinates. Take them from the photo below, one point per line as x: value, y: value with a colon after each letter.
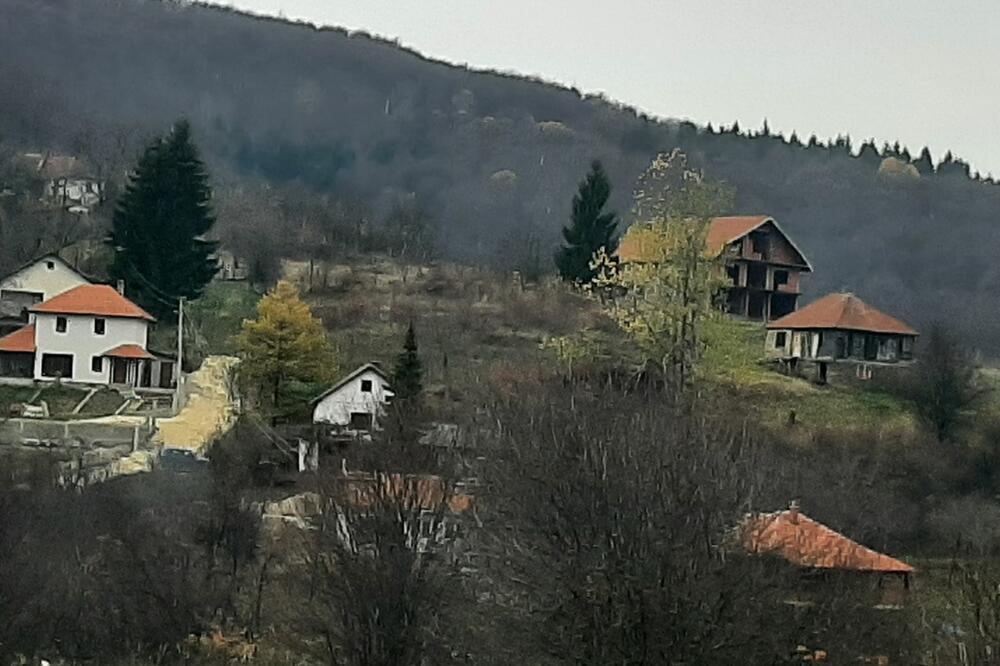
x: 90, y: 334
x: 37, y: 281
x: 355, y: 402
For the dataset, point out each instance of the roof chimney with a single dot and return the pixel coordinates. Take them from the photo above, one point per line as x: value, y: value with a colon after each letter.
x: 793, y: 512
x: 120, y: 287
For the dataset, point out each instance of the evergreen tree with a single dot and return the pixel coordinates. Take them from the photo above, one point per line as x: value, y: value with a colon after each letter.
x: 925, y: 163
x: 408, y: 375
x: 160, y: 223
x: 590, y: 228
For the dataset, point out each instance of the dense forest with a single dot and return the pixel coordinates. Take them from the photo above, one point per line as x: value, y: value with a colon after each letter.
x: 490, y: 160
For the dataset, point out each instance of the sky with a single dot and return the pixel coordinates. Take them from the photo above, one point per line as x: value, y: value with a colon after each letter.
x: 923, y: 72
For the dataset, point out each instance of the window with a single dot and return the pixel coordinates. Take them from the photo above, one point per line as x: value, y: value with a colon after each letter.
x: 60, y: 324
x: 96, y: 363
x: 51, y: 265
x: 57, y: 365
x: 99, y: 325
x: 366, y: 386
x: 780, y: 339
x: 361, y: 421
x: 780, y: 277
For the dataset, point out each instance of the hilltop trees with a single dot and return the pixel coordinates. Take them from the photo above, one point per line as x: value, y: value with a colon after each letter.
x: 591, y: 228
x: 284, y: 344
x: 159, y: 226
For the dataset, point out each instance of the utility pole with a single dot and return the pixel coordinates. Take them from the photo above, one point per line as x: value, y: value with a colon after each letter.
x: 180, y: 354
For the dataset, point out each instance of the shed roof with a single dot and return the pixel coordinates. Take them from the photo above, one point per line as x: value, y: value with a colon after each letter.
x: 92, y: 299
x: 20, y: 341
x: 804, y: 542
x: 842, y: 311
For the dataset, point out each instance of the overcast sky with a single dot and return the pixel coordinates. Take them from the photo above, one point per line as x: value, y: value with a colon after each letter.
x: 920, y: 71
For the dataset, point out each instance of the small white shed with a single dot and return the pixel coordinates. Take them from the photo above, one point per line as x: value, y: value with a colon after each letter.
x: 357, y: 401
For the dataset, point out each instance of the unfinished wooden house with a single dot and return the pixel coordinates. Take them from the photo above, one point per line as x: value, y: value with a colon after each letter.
x: 839, y: 328
x: 763, y: 265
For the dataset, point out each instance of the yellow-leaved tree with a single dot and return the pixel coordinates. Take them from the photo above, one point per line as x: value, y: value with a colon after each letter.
x: 284, y: 344
x: 664, y: 285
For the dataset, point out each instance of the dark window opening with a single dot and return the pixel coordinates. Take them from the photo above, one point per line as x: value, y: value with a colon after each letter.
x: 782, y: 304
x: 756, y: 303
x: 361, y: 421
x: 757, y: 276
x: 366, y: 386
x: 733, y: 271
x: 906, y: 348
x: 166, y: 373
x: 99, y: 325
x: 96, y: 363
x: 780, y: 339
x: 780, y: 277
x: 759, y: 244
x: 57, y: 365
x: 841, y: 347
x: 51, y: 265
x: 60, y: 324
x: 871, y: 347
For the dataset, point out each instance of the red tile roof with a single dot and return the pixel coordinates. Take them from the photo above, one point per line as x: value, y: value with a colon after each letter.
x: 92, y: 299
x: 640, y: 240
x: 20, y: 341
x: 128, y: 351
x: 845, y: 312
x: 804, y: 542
x: 724, y: 230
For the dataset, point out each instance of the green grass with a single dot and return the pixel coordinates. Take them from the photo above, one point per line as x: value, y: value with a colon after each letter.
x: 733, y: 364
x: 217, y: 316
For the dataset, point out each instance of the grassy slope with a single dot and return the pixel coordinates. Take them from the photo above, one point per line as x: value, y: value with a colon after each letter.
x: 474, y: 326
x: 732, y: 366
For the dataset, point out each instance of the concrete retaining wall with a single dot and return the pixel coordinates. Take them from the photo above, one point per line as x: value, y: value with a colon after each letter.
x: 73, y: 434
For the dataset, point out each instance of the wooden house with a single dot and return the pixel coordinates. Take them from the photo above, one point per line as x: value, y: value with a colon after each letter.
x: 763, y: 264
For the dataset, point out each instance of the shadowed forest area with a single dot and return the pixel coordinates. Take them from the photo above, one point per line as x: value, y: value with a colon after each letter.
x: 420, y: 158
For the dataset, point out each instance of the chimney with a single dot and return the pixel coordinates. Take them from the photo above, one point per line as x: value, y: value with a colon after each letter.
x: 120, y: 287
x: 793, y: 512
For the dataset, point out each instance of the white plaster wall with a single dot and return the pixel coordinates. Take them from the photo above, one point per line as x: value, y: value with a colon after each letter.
x: 38, y: 277
x: 337, y: 407
x: 81, y: 341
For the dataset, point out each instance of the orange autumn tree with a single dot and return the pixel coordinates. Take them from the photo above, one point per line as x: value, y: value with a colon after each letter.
x: 285, y: 343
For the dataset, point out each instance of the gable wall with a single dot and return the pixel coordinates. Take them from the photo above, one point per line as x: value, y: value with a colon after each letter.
x: 337, y: 407
x: 39, y: 278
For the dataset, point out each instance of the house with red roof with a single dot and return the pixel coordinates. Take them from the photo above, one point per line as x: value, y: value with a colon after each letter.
x: 763, y: 264
x: 90, y: 334
x: 815, y: 549
x: 840, y: 328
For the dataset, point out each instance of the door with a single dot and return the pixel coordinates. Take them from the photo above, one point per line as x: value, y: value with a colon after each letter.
x: 119, y: 371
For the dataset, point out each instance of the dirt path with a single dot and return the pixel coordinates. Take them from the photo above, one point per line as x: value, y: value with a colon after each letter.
x: 209, y: 411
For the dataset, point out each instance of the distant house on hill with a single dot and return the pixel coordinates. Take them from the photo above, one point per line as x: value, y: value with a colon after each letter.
x: 356, y: 402
x: 68, y: 181
x: 31, y: 283
x: 762, y: 263
x: 89, y: 334
x: 812, y: 547
x: 231, y: 267
x: 840, y: 328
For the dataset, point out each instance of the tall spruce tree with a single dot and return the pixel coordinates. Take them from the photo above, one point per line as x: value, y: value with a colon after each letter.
x: 590, y: 228
x: 160, y: 222
x: 408, y: 375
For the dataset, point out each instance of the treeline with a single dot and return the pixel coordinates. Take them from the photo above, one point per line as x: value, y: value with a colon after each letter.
x: 492, y: 159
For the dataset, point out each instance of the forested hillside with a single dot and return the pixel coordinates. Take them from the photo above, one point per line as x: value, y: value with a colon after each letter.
x: 492, y: 160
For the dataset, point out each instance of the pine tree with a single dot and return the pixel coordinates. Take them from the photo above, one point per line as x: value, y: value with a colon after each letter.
x: 159, y: 225
x: 925, y: 163
x: 408, y: 375
x: 590, y: 228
